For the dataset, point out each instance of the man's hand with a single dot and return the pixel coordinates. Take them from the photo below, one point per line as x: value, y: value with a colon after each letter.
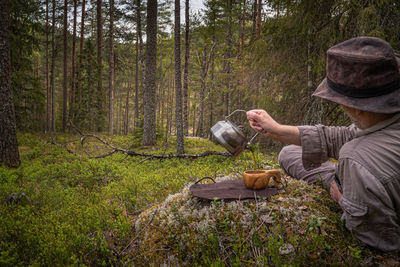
x: 335, y: 193
x: 263, y: 123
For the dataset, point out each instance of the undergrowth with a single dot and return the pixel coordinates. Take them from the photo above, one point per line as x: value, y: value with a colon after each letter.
x: 60, y: 208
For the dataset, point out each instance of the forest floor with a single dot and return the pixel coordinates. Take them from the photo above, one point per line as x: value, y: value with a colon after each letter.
x: 63, y: 208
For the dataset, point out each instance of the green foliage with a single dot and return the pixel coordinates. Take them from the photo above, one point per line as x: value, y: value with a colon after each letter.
x: 315, y: 223
x: 25, y: 30
x: 62, y: 209
x: 86, y: 110
x: 65, y: 209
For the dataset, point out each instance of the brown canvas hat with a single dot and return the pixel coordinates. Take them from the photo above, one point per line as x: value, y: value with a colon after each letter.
x: 363, y: 73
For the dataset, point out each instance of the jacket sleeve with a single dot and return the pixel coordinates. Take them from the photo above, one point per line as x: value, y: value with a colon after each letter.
x: 368, y: 211
x: 319, y: 143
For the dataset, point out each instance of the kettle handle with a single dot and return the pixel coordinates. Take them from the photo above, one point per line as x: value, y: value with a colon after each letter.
x: 253, y: 137
x: 242, y: 110
x: 238, y: 110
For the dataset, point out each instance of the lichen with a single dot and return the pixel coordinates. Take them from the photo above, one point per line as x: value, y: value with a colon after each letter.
x: 300, y: 225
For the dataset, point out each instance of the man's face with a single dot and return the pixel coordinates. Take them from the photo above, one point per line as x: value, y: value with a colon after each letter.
x: 351, y: 112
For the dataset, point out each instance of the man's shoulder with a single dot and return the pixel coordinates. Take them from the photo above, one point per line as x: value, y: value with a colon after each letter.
x: 379, y: 152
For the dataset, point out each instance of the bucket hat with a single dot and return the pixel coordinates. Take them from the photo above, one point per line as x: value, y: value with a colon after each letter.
x: 362, y: 73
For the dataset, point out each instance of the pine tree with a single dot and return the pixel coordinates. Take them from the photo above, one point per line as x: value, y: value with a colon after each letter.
x: 186, y: 72
x: 48, y: 89
x: 178, y: 79
x: 65, y: 76
x: 53, y: 66
x: 149, y: 97
x: 8, y: 139
x: 72, y: 92
x: 81, y: 41
x: 99, y: 95
x: 111, y: 78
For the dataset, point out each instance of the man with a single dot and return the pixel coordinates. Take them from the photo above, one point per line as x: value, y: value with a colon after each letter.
x: 363, y: 76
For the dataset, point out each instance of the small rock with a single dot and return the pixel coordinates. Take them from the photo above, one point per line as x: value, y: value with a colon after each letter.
x: 303, y: 207
x: 286, y: 249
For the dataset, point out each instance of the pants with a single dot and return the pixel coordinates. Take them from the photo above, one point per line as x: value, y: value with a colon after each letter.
x: 290, y: 160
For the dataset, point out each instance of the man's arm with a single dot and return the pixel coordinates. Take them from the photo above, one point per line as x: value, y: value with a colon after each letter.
x: 263, y: 123
x: 319, y: 143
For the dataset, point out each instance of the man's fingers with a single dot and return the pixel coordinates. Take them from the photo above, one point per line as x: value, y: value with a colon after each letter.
x: 254, y: 123
x: 253, y: 116
x: 258, y: 111
x: 258, y: 128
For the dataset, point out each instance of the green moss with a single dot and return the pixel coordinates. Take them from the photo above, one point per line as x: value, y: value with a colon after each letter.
x: 64, y: 209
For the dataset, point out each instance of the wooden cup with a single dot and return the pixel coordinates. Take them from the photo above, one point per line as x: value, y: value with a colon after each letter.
x: 259, y: 179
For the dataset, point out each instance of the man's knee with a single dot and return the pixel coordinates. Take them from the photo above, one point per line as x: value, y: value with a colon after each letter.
x: 288, y: 154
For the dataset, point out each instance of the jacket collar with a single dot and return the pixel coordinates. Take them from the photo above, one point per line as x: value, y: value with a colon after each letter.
x: 379, y: 126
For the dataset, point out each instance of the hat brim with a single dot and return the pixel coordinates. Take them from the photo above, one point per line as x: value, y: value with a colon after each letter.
x: 389, y: 103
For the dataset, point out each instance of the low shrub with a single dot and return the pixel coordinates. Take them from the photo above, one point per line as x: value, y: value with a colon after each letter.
x: 62, y: 208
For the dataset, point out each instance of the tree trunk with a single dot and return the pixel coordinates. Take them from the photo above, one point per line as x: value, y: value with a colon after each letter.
x: 100, y: 99
x: 120, y: 114
x: 111, y: 87
x: 171, y: 100
x: 212, y: 58
x: 211, y: 114
x: 65, y: 76
x: 254, y: 21
x: 168, y: 110
x: 227, y: 58
x: 141, y: 56
x: 162, y: 103
x: 90, y: 90
x: 72, y: 97
x: 126, y: 124
x: 160, y: 84
x: 242, y: 41
x: 137, y: 84
x: 186, y: 72
x: 194, y: 118
x: 202, y: 91
x: 8, y: 138
x: 48, y: 102
x: 149, y: 123
x: 258, y: 27
x: 117, y: 103
x: 53, y: 63
x: 212, y: 86
x: 78, y: 88
x: 178, y: 80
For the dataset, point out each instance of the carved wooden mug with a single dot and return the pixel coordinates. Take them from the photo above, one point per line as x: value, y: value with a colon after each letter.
x: 260, y: 179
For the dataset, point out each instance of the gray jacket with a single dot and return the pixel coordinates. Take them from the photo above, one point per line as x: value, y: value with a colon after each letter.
x: 369, y: 173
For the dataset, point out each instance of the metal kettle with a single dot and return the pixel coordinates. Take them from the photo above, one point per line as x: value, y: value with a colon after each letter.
x: 231, y: 136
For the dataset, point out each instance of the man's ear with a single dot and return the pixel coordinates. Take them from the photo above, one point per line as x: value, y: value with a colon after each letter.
x: 358, y: 112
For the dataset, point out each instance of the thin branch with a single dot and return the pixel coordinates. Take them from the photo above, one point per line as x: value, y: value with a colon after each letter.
x: 103, y: 156
x: 134, y: 154
x: 64, y: 146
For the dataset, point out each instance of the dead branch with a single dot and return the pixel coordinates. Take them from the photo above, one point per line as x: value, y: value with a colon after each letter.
x: 164, y: 156
x: 63, y: 145
x: 134, y: 154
